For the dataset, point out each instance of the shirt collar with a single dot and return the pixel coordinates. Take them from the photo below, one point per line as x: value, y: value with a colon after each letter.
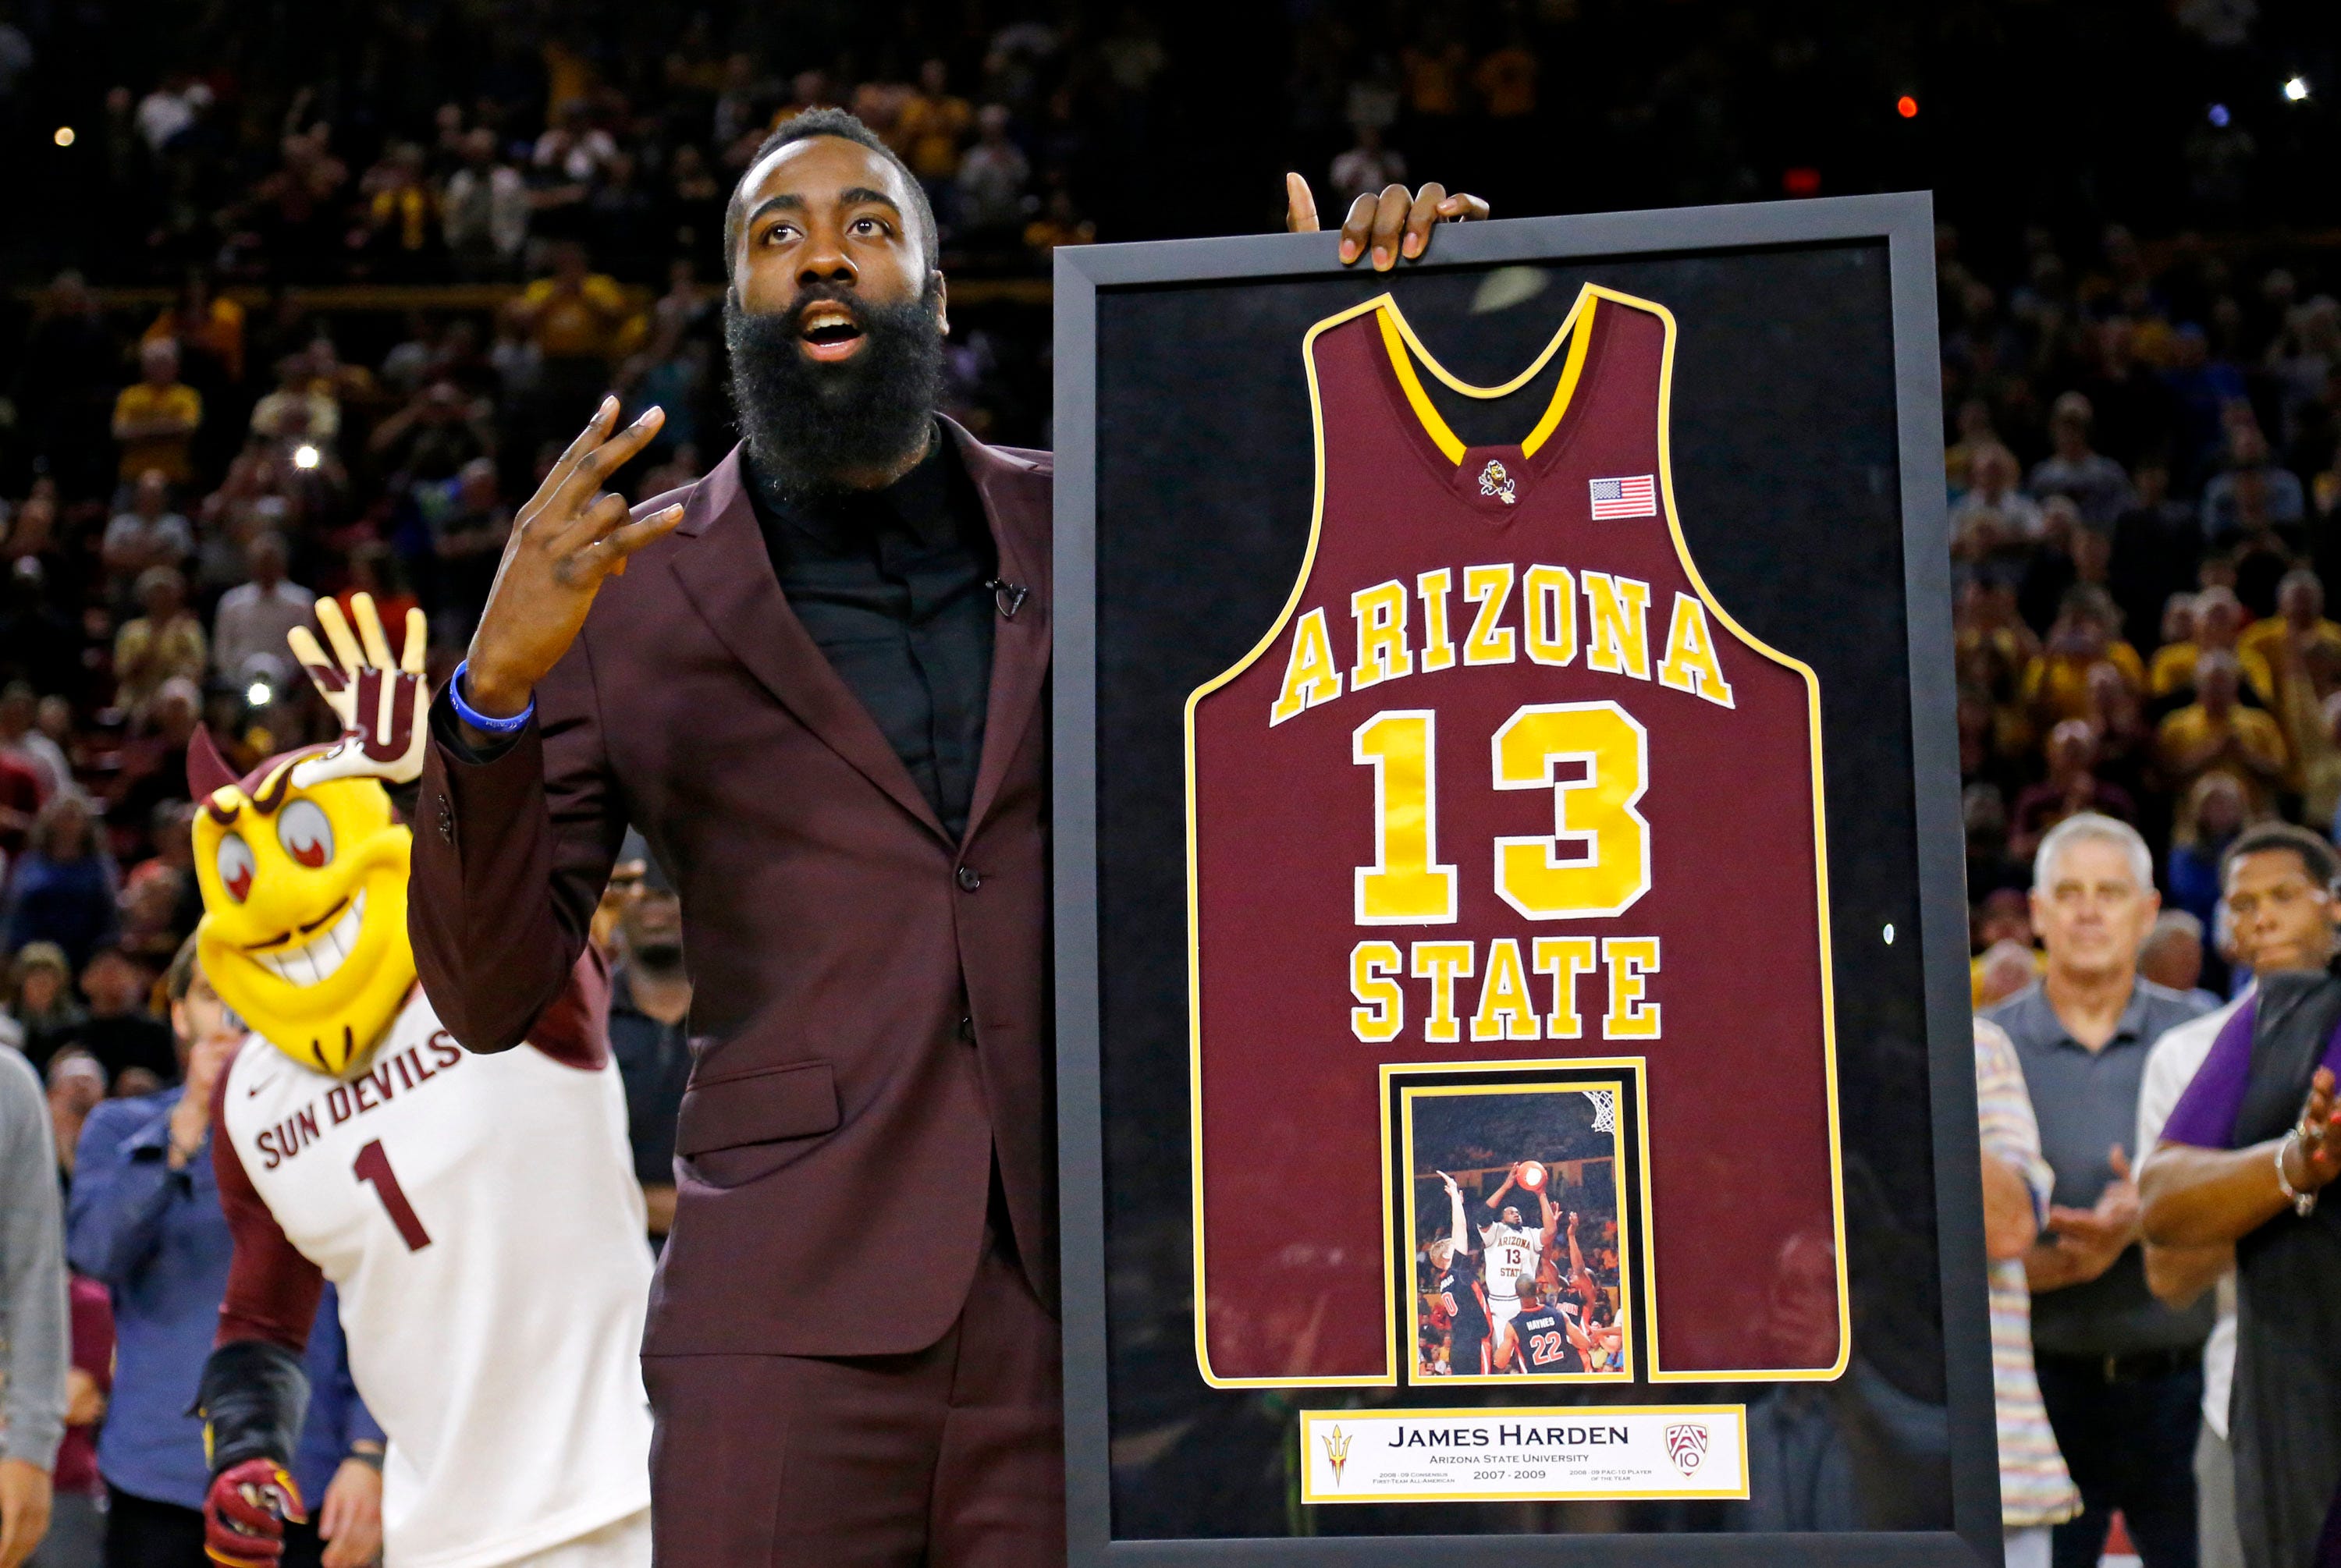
x: 2043, y: 1023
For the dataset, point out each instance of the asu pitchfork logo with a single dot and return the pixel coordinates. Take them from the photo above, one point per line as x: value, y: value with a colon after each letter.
x: 1686, y: 1446
x: 1337, y: 1451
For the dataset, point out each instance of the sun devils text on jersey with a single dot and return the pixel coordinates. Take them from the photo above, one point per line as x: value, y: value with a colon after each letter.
x: 1505, y: 782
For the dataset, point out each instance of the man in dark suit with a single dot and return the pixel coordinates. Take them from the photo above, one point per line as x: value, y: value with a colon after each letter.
x: 819, y: 696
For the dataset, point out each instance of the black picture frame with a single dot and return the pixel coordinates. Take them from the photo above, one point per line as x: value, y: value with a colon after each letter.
x: 1902, y: 226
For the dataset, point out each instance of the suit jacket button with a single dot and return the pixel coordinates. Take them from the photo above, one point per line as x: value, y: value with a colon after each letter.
x: 966, y: 1027
x: 969, y: 879
x: 446, y: 823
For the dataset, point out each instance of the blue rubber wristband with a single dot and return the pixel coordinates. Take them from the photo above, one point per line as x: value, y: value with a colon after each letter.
x: 479, y: 720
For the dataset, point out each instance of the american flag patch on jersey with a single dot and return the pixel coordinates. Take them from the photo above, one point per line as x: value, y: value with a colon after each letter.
x: 1634, y: 497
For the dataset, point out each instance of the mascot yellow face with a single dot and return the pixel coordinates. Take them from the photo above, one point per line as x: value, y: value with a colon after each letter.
x: 304, y: 911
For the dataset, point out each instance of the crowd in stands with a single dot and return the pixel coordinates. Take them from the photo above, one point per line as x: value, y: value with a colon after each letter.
x: 2142, y: 470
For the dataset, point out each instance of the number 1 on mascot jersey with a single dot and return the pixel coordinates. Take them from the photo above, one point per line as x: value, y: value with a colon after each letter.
x: 478, y: 1214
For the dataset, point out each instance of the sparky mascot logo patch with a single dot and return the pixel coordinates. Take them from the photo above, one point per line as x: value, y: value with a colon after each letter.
x: 301, y: 864
x: 1496, y: 479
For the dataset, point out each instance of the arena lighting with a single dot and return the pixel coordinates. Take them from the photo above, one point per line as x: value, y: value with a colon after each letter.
x: 1907, y: 106
x: 2296, y: 91
x: 306, y: 456
x: 64, y: 136
x: 2219, y: 115
x: 258, y: 695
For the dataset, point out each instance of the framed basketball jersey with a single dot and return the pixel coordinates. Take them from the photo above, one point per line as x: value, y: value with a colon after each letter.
x: 1504, y: 778
x: 1509, y: 945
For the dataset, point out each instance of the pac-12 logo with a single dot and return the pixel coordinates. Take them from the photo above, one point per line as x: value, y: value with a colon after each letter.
x: 1496, y: 479
x: 1686, y: 1446
x: 1337, y: 1451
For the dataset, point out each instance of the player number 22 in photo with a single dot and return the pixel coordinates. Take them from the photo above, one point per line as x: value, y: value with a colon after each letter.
x: 1593, y: 813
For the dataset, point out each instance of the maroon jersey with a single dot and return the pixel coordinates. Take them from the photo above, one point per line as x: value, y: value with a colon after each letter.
x: 1504, y: 783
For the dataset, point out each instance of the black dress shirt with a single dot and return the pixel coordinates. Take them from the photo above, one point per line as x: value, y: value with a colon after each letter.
x: 893, y: 587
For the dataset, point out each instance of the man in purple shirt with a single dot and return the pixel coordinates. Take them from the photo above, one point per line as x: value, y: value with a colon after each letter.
x: 2242, y: 1160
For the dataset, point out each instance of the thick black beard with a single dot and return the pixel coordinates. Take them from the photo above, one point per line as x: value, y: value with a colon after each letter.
x: 663, y: 960
x: 807, y: 422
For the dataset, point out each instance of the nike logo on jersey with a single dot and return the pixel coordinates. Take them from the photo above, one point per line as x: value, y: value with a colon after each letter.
x: 1395, y: 632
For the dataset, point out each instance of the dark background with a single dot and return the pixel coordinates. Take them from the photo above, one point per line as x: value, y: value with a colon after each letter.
x: 1786, y: 474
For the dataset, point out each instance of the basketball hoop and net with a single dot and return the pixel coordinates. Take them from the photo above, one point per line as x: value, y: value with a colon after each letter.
x: 1605, y: 1108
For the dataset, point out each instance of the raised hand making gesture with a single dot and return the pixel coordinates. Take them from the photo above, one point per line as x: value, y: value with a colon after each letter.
x: 571, y: 536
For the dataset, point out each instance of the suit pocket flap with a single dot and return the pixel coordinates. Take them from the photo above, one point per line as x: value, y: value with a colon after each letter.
x: 758, y: 1108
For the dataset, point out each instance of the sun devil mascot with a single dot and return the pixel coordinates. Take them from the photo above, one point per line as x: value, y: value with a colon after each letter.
x: 478, y: 1214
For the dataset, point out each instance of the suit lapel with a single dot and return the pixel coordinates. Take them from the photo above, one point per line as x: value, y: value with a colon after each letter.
x: 727, y: 574
x: 1016, y: 505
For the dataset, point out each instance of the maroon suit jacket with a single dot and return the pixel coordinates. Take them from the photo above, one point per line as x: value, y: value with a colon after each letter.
x: 874, y: 994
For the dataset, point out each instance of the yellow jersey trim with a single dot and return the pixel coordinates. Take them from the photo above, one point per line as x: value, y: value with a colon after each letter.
x: 1404, y: 348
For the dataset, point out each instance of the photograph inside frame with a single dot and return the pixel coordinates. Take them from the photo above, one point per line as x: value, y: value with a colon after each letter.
x: 1535, y: 1168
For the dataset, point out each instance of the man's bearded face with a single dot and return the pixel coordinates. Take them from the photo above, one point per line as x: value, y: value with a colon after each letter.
x: 834, y: 382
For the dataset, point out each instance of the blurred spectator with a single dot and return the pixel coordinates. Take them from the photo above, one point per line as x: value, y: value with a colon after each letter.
x: 1995, y: 475
x: 1506, y: 80
x: 171, y: 108
x: 76, y: 1537
x: 2253, y: 491
x: 61, y: 889
x: 249, y: 628
x: 121, y: 1031
x: 1364, y: 170
x: 2214, y: 733
x: 2172, y: 956
x: 992, y: 177
x: 154, y: 759
x: 76, y: 1086
x: 145, y: 1220
x: 2210, y: 815
x: 2082, y: 640
x: 932, y: 127
x: 22, y: 742
x: 374, y: 571
x: 208, y: 328
x: 2072, y: 787
x: 1059, y: 224
x: 302, y: 408
x: 469, y: 524
x: 45, y: 1006
x: 485, y: 210
x: 165, y: 642
x: 156, y: 416
x: 2214, y: 623
x: 2094, y: 482
x: 650, y: 1004
x: 2296, y: 635
x: 575, y: 318
x: 2035, y: 1492
x: 34, y: 1358
x: 395, y: 220
x: 2003, y: 970
x: 149, y: 534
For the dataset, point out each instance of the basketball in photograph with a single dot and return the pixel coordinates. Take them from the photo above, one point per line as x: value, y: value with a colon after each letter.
x: 1529, y: 1173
